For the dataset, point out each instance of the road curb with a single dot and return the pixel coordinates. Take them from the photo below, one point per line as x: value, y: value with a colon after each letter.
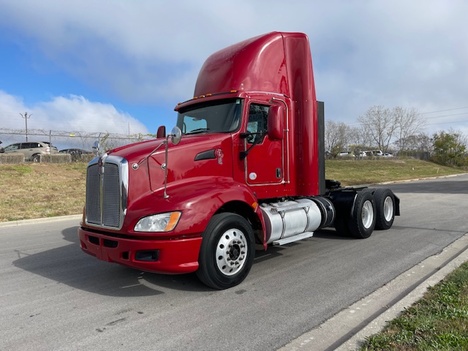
x: 415, y: 294
x: 348, y: 329
x: 424, y: 178
x: 39, y: 220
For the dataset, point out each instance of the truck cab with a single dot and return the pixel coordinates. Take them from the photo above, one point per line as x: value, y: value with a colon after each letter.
x: 242, y: 169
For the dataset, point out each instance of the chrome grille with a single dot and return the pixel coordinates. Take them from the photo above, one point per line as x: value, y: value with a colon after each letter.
x: 106, y: 191
x: 93, y: 194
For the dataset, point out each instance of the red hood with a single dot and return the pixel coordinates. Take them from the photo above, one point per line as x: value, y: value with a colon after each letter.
x: 195, y: 156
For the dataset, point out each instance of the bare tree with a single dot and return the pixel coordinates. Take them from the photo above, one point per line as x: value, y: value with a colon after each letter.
x: 380, y: 124
x: 415, y: 142
x: 337, y: 135
x: 409, y: 122
x: 363, y: 138
x: 355, y: 136
x: 416, y: 145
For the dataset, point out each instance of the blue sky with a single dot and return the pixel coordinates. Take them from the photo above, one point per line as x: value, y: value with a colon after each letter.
x: 121, y: 66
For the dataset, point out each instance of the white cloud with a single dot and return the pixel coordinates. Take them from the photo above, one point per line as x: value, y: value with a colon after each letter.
x: 10, y: 109
x: 72, y: 113
x: 391, y: 53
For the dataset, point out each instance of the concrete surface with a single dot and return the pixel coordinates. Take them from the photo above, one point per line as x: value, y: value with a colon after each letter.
x: 346, y: 330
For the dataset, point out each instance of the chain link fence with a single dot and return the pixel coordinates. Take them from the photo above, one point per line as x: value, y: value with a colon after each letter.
x: 70, y: 139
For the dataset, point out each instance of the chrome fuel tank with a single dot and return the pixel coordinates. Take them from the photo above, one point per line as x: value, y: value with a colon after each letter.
x: 290, y: 218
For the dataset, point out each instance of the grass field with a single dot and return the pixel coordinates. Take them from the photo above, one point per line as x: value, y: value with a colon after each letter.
x: 439, y: 321
x: 354, y: 172
x: 35, y: 190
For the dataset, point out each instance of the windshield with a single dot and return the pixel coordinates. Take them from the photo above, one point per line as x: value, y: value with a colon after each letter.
x: 219, y: 116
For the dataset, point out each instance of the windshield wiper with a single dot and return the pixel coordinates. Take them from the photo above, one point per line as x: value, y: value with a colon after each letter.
x: 198, y: 131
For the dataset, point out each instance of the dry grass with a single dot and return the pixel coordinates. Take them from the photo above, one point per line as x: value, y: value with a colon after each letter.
x: 359, y: 172
x: 46, y: 189
x: 41, y: 190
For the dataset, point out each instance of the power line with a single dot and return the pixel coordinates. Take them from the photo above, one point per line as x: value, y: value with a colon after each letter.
x: 453, y: 114
x: 448, y: 122
x: 450, y: 109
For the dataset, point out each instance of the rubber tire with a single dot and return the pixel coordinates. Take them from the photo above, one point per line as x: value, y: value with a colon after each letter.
x: 380, y: 197
x: 356, y: 225
x: 36, y: 158
x: 209, y: 272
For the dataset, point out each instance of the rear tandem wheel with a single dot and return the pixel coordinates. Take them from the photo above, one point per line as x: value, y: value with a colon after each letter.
x: 359, y: 220
x: 385, y: 208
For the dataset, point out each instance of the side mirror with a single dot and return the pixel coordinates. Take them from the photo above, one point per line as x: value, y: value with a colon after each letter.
x: 176, y: 135
x: 276, y: 116
x: 161, y: 133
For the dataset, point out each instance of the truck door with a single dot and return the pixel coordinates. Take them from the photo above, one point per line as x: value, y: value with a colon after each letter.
x: 264, y: 164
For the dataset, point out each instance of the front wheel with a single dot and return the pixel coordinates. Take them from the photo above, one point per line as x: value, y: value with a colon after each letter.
x: 227, y: 251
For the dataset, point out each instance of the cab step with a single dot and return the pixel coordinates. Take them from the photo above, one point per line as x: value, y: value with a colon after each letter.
x: 293, y: 238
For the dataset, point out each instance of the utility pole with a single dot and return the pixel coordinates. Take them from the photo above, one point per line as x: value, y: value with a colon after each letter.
x: 25, y: 116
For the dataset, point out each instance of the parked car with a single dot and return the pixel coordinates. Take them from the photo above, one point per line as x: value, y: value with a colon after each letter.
x: 32, y: 151
x: 361, y: 154
x: 387, y: 154
x: 345, y: 154
x: 76, y: 153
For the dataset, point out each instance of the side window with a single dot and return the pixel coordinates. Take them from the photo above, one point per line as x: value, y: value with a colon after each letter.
x: 12, y: 147
x: 258, y: 116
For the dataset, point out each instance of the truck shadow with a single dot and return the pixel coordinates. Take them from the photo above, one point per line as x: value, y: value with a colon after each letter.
x: 330, y: 233
x: 69, y: 265
x: 277, y: 251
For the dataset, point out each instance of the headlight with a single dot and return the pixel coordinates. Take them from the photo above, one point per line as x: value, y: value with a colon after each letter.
x: 163, y: 222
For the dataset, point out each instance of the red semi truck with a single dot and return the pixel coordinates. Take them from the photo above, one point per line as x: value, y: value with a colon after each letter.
x: 243, y: 170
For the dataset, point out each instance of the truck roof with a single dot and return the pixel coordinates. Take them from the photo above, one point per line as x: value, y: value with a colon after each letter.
x: 267, y: 63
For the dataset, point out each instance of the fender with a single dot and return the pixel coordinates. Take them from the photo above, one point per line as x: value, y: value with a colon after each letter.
x: 198, y: 199
x: 343, y: 201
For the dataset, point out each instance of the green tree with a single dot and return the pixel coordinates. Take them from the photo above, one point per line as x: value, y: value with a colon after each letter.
x: 449, y: 149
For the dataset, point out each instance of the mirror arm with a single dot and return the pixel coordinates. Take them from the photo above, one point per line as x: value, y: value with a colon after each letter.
x: 175, y: 136
x: 243, y: 154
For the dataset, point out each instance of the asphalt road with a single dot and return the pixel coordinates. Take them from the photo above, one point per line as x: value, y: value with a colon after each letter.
x: 54, y: 297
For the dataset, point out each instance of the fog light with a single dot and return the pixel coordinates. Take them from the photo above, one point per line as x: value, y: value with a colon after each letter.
x: 147, y: 255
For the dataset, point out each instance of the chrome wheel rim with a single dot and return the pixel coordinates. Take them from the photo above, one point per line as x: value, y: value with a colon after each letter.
x: 231, y: 252
x: 367, y: 215
x: 388, y: 209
